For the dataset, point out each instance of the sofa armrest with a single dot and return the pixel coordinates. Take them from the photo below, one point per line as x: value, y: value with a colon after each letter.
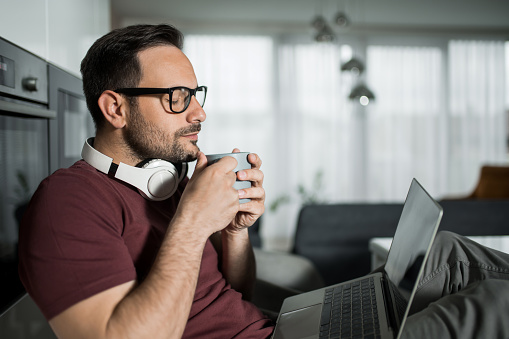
x: 287, y: 270
x: 281, y: 275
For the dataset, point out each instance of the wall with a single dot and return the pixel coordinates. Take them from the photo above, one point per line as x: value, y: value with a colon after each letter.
x: 60, y: 31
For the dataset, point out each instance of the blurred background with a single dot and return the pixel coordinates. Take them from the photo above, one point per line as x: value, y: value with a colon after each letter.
x: 344, y: 100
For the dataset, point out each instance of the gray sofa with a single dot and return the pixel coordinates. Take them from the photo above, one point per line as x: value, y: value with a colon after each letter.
x: 335, y: 237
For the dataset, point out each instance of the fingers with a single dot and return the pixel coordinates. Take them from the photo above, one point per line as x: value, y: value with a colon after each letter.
x: 254, y: 160
x: 225, y: 164
x: 253, y: 193
x: 256, y: 206
x: 254, y: 175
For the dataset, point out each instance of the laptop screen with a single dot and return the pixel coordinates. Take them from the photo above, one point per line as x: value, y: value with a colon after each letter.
x: 412, y: 241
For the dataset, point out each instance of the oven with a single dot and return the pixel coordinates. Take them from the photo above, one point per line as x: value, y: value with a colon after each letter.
x: 24, y: 147
x: 43, y: 124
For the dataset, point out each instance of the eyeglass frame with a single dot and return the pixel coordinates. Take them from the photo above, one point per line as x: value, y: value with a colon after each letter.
x: 136, y: 91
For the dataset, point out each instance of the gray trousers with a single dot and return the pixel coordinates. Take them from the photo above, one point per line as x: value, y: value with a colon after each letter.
x: 464, y: 292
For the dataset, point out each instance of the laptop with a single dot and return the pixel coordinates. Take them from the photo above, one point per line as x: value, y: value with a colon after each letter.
x: 376, y: 305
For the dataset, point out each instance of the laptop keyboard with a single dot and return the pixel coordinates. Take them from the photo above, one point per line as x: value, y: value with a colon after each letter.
x: 400, y: 301
x: 350, y: 311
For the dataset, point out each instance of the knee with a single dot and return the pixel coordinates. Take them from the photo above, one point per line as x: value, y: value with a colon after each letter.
x: 448, y: 247
x: 446, y: 239
x: 447, y: 236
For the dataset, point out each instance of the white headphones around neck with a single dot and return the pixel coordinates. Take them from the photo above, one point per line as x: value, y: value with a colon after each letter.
x: 157, y: 180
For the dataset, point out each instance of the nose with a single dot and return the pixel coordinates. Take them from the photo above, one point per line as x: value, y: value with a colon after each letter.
x: 195, y: 111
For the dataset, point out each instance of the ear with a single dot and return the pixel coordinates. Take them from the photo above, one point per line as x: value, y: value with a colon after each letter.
x: 113, y: 106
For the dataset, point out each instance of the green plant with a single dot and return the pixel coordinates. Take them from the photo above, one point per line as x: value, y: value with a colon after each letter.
x: 23, y: 189
x: 306, y: 196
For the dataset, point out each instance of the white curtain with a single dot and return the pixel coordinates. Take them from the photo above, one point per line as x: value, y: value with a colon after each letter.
x: 477, y: 96
x: 438, y: 115
x: 406, y: 126
x: 313, y: 127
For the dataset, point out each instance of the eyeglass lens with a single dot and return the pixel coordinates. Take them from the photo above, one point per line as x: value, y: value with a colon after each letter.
x: 181, y: 97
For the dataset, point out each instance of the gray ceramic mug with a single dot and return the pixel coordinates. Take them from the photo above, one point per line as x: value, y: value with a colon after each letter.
x: 242, y: 164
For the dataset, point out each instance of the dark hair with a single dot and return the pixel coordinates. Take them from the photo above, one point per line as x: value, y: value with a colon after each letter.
x: 112, y: 61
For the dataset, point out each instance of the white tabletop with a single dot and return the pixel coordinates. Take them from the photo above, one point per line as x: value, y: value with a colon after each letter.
x: 379, y: 247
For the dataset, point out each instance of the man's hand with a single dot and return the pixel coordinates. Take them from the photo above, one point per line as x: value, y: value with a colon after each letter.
x: 209, y: 201
x: 249, y: 212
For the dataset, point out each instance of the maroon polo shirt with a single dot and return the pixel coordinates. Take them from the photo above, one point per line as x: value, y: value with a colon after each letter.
x: 85, y: 232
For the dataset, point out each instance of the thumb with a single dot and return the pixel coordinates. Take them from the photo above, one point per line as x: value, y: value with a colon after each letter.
x: 201, y: 163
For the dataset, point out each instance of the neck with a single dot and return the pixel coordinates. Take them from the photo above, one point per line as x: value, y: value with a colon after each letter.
x: 112, y: 144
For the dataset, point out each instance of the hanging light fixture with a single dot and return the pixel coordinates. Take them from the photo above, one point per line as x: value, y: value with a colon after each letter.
x: 325, y: 34
x: 324, y: 31
x: 319, y: 22
x: 362, y: 93
x: 353, y: 65
x: 342, y: 20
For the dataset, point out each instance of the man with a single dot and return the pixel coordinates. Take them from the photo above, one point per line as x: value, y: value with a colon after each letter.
x: 103, y: 261
x: 99, y: 259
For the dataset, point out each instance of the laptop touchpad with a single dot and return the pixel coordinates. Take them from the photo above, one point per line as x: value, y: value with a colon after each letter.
x: 303, y: 323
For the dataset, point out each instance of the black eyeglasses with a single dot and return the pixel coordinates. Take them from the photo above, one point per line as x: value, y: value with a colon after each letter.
x: 178, y: 98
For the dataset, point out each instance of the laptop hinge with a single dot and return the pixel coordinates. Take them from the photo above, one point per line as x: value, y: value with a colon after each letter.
x: 393, y: 323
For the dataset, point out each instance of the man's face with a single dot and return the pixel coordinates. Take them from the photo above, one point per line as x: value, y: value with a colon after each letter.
x: 153, y: 132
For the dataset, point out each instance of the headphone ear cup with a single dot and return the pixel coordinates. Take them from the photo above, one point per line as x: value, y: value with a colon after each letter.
x: 163, y: 181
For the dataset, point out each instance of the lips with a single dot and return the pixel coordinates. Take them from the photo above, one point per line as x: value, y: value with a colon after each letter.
x: 192, y: 136
x: 190, y: 130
